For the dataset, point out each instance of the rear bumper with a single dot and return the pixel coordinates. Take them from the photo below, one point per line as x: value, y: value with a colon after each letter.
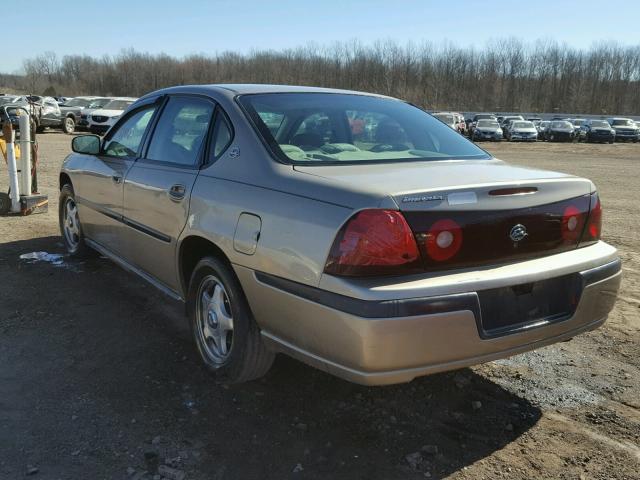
x: 397, y: 334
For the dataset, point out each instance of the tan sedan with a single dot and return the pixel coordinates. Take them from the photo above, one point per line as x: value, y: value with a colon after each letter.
x: 352, y: 231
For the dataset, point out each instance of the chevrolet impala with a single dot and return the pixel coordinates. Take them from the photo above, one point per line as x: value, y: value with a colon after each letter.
x: 352, y: 231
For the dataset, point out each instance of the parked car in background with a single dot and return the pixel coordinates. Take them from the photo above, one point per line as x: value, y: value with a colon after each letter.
x: 560, y: 131
x: 626, y: 129
x: 577, y: 123
x: 487, y: 129
x: 378, y: 259
x: 542, y: 127
x: 104, y: 118
x: 522, y: 131
x: 447, y: 118
x: 509, y: 118
x: 479, y: 116
x: 71, y: 112
x: 597, y: 131
x: 8, y: 114
x: 95, y: 104
x: 45, y: 110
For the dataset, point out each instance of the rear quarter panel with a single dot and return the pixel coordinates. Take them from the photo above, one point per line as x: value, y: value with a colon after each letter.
x: 296, y: 232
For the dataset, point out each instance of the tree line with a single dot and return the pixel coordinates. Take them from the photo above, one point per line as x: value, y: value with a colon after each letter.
x: 502, y: 75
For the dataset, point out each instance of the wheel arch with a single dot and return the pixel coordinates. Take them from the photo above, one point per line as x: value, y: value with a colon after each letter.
x: 65, y: 179
x: 191, y: 249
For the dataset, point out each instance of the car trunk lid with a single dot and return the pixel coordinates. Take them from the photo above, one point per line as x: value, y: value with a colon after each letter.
x: 502, y: 212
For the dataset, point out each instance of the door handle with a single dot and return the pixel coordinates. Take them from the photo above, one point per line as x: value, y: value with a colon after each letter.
x: 176, y: 192
x: 116, y: 178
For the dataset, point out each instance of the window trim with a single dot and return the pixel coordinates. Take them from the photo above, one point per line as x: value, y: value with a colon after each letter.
x: 123, y: 119
x: 208, y: 158
x: 142, y: 158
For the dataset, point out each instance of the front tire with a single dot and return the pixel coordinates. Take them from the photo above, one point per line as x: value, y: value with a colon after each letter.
x: 70, y: 226
x: 68, y: 125
x: 225, y: 332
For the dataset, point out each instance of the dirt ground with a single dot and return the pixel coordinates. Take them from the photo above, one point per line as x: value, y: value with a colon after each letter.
x: 98, y: 376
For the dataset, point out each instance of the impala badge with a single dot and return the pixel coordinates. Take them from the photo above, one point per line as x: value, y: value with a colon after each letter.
x: 518, y: 232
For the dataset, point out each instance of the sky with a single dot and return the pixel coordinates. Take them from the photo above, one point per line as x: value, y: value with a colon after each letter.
x: 182, y: 27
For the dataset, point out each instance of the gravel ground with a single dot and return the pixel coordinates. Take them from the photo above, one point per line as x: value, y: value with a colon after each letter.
x: 98, y: 377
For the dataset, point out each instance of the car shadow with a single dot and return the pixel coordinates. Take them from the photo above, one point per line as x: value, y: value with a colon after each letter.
x: 98, y: 369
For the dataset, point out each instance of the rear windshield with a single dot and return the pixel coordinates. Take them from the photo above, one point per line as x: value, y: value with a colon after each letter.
x: 487, y: 124
x: 578, y: 122
x: 484, y: 116
x: 327, y: 128
x: 523, y: 125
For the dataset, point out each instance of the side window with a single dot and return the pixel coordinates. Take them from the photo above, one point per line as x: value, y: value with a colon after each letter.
x: 221, y: 137
x: 181, y: 130
x: 125, y: 141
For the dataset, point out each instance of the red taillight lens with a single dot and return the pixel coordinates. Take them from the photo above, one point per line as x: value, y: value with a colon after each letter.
x: 593, y: 228
x: 572, y: 224
x: 443, y: 240
x: 374, y: 242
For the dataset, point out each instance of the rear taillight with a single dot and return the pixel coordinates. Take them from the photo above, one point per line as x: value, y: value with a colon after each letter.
x: 374, y: 242
x: 572, y: 224
x: 593, y: 228
x: 443, y: 240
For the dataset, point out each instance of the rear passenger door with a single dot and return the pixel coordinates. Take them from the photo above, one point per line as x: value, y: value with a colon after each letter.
x: 158, y: 185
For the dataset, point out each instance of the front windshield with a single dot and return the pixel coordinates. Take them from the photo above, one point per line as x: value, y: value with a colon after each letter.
x: 485, y: 116
x: 544, y: 123
x: 578, y: 122
x: 77, y: 102
x: 599, y: 124
x: 5, y: 100
x: 561, y: 125
x: 487, y: 124
x: 326, y: 128
x: 446, y: 118
x: 623, y: 122
x: 118, y: 104
x: 523, y: 125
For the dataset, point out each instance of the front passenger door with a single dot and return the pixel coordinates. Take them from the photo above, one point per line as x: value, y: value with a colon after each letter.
x: 158, y: 186
x: 100, y: 187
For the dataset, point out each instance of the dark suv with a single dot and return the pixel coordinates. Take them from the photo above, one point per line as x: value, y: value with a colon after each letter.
x: 597, y: 131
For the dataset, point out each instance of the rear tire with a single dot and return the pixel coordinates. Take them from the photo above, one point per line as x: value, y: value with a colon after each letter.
x: 70, y: 226
x: 225, y: 332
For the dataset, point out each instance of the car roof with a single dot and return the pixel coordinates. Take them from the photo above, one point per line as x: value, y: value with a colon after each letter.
x: 233, y: 89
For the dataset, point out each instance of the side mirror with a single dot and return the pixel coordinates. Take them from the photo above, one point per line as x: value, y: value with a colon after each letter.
x: 87, y: 144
